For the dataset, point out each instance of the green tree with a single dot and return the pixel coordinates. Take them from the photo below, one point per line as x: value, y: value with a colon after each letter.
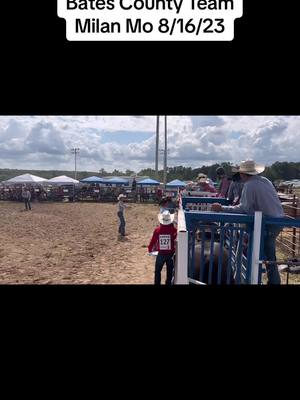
x: 128, y: 172
x: 102, y: 172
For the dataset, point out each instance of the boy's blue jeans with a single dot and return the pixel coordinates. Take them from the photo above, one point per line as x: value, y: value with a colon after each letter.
x: 161, y: 259
x: 27, y: 204
x: 122, y: 223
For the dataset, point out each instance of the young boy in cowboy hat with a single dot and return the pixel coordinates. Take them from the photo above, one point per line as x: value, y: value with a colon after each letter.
x: 163, y: 240
x: 259, y: 194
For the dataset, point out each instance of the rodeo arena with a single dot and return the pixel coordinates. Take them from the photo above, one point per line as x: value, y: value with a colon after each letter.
x: 211, y: 247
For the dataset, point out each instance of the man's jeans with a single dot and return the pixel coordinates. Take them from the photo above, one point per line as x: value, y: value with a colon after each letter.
x: 122, y: 223
x: 161, y: 259
x: 27, y: 204
x: 270, y: 254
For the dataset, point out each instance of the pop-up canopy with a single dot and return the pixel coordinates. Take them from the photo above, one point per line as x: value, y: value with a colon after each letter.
x: 148, y: 182
x: 176, y: 183
x: 26, y: 178
x: 116, y: 181
x: 63, y: 180
x: 93, y: 179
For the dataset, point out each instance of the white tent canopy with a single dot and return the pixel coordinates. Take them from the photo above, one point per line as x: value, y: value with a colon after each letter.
x: 63, y: 180
x: 26, y: 178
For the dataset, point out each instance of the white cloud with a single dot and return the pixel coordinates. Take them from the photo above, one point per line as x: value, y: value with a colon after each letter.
x: 37, y: 142
x: 45, y: 138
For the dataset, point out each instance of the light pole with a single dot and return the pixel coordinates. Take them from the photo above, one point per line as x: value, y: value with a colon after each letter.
x: 165, y: 152
x: 165, y: 155
x: 75, y: 151
x: 157, y: 145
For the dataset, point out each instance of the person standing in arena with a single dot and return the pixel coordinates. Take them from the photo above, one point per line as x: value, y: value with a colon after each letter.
x: 121, y: 208
x: 26, y: 196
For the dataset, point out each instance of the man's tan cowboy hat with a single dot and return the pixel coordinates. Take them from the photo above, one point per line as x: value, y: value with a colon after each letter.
x: 249, y: 167
x: 165, y: 218
x: 121, y: 196
x: 201, y: 177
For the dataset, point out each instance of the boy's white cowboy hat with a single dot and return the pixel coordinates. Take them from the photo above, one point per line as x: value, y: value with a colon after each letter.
x: 165, y: 218
x: 249, y: 167
x: 121, y: 196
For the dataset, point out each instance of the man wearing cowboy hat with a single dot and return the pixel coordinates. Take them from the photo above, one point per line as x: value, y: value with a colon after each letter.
x: 26, y: 195
x: 201, y: 175
x: 259, y: 194
x: 204, y: 184
x: 163, y: 240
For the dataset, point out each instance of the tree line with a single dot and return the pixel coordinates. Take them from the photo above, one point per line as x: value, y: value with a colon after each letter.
x: 275, y: 172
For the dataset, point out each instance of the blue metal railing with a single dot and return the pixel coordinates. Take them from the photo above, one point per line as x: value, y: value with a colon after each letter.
x: 231, y: 259
x: 187, y: 202
x: 220, y: 254
x: 221, y: 245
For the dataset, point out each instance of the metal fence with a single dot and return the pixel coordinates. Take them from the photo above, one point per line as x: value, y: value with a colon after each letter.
x: 222, y: 248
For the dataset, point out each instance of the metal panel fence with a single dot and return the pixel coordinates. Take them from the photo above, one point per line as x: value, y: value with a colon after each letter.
x: 221, y: 248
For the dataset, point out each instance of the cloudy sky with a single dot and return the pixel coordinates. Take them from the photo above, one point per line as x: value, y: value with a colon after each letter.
x: 128, y: 142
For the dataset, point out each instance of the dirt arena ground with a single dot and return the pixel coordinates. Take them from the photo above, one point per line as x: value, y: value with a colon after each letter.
x: 75, y: 243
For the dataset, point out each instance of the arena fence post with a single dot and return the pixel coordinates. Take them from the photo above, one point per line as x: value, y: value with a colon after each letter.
x: 181, y: 264
x: 255, y: 257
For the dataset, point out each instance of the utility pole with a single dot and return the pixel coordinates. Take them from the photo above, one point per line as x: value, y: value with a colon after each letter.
x: 157, y: 145
x: 75, y: 151
x: 165, y: 155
